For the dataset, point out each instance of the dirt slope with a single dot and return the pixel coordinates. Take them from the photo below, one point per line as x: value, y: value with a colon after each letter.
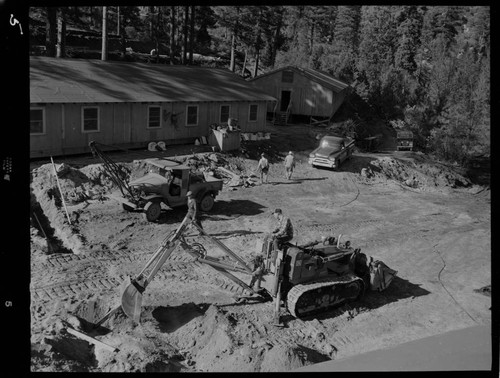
x: 435, y: 234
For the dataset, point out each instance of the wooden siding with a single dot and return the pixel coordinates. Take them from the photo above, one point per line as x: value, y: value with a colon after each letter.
x: 125, y: 124
x: 308, y: 97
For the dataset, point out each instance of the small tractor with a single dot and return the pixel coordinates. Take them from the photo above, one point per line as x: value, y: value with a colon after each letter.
x: 167, y: 182
x: 310, y: 279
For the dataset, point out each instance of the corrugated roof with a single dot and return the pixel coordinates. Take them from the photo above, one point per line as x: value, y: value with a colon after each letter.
x: 318, y: 76
x: 59, y: 80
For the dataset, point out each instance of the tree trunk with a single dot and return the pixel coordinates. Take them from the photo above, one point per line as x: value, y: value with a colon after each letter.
x: 123, y: 41
x: 312, y: 38
x: 244, y: 64
x: 91, y: 14
x: 118, y: 24
x: 256, y: 68
x: 151, y: 11
x: 104, y: 51
x: 122, y: 35
x: 51, y: 31
x: 274, y: 47
x: 185, y: 34
x: 61, y: 34
x: 232, y: 62
x: 191, y: 34
x: 157, y: 36
x: 172, y: 34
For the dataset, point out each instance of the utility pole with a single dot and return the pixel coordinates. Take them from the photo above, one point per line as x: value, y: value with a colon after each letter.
x: 104, y: 52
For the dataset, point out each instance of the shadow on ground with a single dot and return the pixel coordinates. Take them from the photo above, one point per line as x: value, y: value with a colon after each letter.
x: 169, y: 216
x: 236, y: 207
x: 221, y: 208
x: 171, y: 318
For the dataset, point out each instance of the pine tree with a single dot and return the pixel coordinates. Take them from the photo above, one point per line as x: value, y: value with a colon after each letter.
x: 346, y: 42
x: 377, y: 47
x: 410, y: 21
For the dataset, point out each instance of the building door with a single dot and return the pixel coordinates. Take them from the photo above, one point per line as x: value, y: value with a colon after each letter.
x: 285, y: 100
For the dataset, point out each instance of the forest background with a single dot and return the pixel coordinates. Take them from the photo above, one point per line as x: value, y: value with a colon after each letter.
x: 422, y: 68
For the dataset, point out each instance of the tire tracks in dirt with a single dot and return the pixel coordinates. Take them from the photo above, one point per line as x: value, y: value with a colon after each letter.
x: 179, y: 268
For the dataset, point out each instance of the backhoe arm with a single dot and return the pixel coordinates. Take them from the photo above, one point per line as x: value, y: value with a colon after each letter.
x: 113, y: 170
x: 131, y: 300
x: 133, y: 289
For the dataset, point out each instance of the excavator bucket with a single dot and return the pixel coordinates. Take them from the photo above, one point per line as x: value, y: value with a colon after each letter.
x: 131, y: 300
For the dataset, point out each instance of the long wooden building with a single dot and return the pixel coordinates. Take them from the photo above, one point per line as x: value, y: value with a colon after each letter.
x: 302, y: 91
x: 74, y: 101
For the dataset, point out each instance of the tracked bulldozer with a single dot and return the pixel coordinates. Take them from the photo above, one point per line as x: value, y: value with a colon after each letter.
x: 317, y: 277
x: 307, y: 279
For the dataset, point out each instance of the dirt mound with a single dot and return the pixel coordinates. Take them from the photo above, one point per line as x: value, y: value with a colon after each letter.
x: 227, y: 341
x: 419, y: 172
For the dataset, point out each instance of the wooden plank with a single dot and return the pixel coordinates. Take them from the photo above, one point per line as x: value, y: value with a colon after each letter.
x: 60, y: 190
x: 91, y: 339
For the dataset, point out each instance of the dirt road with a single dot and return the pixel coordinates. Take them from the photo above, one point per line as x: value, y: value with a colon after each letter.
x: 437, y: 237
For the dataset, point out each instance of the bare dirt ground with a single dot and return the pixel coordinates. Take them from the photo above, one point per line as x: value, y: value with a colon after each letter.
x: 437, y: 235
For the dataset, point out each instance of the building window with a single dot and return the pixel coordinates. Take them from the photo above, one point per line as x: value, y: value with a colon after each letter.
x: 154, y: 117
x: 90, y: 118
x: 192, y: 115
x: 224, y: 113
x: 252, y: 112
x: 37, y: 121
x: 287, y: 77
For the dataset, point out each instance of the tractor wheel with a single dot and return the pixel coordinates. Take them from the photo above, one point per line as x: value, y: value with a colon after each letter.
x: 152, y: 211
x: 207, y: 202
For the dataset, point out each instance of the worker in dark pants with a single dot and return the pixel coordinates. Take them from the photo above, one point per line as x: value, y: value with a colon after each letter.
x: 193, y: 213
x: 257, y: 272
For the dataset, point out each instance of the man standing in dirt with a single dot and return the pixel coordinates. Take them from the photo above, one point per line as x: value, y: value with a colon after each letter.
x: 284, y: 232
x: 289, y: 165
x: 192, y: 213
x: 263, y: 168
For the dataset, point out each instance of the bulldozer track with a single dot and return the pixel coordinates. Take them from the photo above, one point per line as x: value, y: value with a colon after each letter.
x: 297, y: 291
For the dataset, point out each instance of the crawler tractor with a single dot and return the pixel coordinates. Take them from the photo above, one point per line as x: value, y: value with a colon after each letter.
x: 308, y: 279
x: 317, y: 277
